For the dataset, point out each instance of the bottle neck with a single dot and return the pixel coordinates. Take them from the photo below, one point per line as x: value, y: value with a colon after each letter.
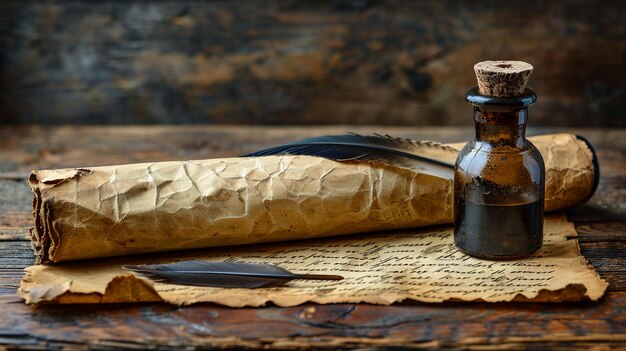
x: 501, y: 127
x: 501, y: 120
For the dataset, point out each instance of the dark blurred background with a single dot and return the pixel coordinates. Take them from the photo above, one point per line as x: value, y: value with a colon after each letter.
x: 303, y: 62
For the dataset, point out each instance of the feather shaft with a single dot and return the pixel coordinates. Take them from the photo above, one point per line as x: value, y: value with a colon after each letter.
x: 222, y: 274
x: 249, y: 274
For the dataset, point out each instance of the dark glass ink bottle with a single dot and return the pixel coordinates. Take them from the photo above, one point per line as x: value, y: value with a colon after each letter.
x: 499, y: 176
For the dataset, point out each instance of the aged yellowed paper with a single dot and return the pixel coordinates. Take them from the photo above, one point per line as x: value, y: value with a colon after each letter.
x: 138, y: 208
x: 379, y: 268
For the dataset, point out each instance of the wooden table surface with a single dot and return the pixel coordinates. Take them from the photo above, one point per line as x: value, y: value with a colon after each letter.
x: 601, y: 224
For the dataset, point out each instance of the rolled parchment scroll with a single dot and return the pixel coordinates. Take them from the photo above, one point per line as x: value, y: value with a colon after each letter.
x: 138, y: 208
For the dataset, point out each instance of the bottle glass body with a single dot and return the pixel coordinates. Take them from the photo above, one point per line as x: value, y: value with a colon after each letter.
x: 499, y: 182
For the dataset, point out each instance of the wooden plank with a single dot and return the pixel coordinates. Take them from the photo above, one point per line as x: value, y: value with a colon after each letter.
x: 348, y: 61
x: 14, y: 257
x: 15, y: 225
x: 15, y: 196
x: 601, y: 232
x: 15, y: 221
x: 603, y: 245
x: 409, y: 325
x: 15, y: 210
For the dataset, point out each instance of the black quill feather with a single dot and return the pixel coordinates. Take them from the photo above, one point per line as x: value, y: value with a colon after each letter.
x: 422, y: 156
x: 222, y: 274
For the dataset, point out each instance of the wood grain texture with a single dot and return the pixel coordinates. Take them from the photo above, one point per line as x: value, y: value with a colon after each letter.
x: 601, y: 224
x: 404, y: 326
x: 303, y: 62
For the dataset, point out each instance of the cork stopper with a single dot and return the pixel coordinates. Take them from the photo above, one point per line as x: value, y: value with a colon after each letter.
x: 502, y: 78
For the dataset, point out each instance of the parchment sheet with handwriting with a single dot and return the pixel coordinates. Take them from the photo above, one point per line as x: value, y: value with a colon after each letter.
x: 383, y: 268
